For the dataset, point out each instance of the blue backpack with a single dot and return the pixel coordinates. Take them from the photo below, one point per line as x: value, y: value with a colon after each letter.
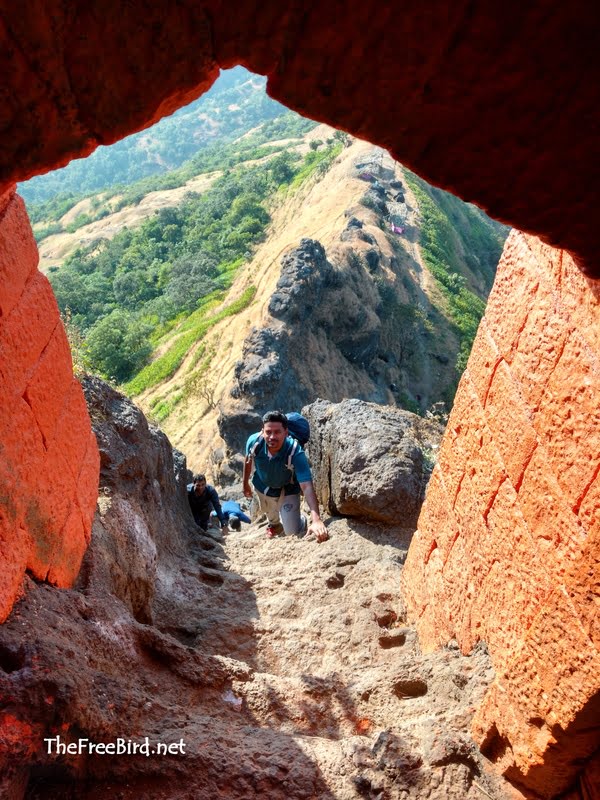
x: 298, y: 427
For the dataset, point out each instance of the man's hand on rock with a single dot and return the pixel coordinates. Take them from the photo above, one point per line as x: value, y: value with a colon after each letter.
x: 318, y: 531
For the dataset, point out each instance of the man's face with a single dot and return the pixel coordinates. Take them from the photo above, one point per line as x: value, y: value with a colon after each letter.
x: 199, y: 487
x: 274, y: 434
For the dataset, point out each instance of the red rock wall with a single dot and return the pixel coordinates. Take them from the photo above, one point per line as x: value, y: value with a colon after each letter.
x: 496, y: 102
x: 50, y: 464
x: 508, y: 541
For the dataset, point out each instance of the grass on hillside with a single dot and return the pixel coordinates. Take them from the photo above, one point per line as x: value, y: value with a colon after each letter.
x: 193, y: 330
x: 317, y: 161
x: 440, y: 246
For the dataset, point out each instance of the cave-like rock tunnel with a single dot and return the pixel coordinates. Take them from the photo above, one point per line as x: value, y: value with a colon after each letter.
x: 494, y: 102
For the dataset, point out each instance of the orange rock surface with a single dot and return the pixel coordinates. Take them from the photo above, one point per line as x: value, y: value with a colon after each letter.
x: 50, y: 463
x: 495, y: 102
x: 508, y: 543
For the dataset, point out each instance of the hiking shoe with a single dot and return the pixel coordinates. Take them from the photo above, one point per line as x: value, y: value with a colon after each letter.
x: 273, y: 531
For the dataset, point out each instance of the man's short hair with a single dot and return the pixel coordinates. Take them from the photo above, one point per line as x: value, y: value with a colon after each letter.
x: 199, y: 476
x: 275, y: 416
x: 234, y: 522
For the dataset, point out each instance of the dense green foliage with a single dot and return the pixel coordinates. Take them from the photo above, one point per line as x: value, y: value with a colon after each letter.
x: 123, y: 294
x: 213, y: 157
x: 450, y: 232
x: 118, y: 345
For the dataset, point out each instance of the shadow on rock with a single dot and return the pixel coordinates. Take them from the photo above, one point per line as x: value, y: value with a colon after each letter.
x: 144, y: 652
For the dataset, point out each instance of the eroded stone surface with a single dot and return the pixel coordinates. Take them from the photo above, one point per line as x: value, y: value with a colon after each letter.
x: 513, y: 511
x: 371, y: 461
x: 49, y: 473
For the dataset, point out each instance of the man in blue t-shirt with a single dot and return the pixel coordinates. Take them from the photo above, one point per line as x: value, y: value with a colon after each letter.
x: 234, y: 515
x: 281, y: 474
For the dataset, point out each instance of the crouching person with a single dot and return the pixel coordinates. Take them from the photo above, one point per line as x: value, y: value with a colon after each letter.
x: 234, y: 515
x: 203, y: 499
x: 281, y: 474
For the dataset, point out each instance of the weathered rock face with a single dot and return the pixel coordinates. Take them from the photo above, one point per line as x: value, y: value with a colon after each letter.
x: 85, y: 662
x: 264, y: 374
x: 313, y: 303
x: 312, y: 295
x: 49, y: 466
x: 143, y: 514
x: 304, y: 273
x: 508, y: 540
x: 102, y: 71
x: 371, y: 461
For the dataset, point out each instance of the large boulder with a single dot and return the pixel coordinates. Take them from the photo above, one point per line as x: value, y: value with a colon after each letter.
x: 305, y: 273
x: 143, y: 515
x: 264, y: 374
x: 371, y: 461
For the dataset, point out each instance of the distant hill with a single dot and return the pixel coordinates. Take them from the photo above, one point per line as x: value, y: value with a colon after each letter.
x: 281, y: 262
x: 235, y: 104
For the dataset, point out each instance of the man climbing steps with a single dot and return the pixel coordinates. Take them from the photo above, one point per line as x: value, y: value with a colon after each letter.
x: 281, y: 475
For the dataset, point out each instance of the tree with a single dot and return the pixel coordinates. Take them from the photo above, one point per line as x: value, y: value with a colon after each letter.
x: 192, y: 277
x: 118, y: 345
x: 343, y: 137
x: 281, y: 168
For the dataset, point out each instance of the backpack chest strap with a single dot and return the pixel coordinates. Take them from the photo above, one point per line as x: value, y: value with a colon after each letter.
x: 291, y: 454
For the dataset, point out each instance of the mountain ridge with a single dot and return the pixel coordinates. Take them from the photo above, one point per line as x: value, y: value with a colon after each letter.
x: 320, y: 211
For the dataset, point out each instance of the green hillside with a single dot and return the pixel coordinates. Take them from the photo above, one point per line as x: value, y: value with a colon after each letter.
x: 461, y: 247
x: 235, y: 104
x: 122, y: 295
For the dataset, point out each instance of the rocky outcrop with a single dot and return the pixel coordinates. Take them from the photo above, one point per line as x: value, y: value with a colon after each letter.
x: 314, y: 304
x: 49, y: 466
x: 305, y: 272
x: 371, y: 462
x: 507, y: 545
x: 263, y: 373
x: 87, y: 662
x: 312, y: 294
x: 143, y: 515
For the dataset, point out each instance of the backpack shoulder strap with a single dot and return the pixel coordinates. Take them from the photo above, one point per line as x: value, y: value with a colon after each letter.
x: 256, y: 446
x: 291, y: 455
